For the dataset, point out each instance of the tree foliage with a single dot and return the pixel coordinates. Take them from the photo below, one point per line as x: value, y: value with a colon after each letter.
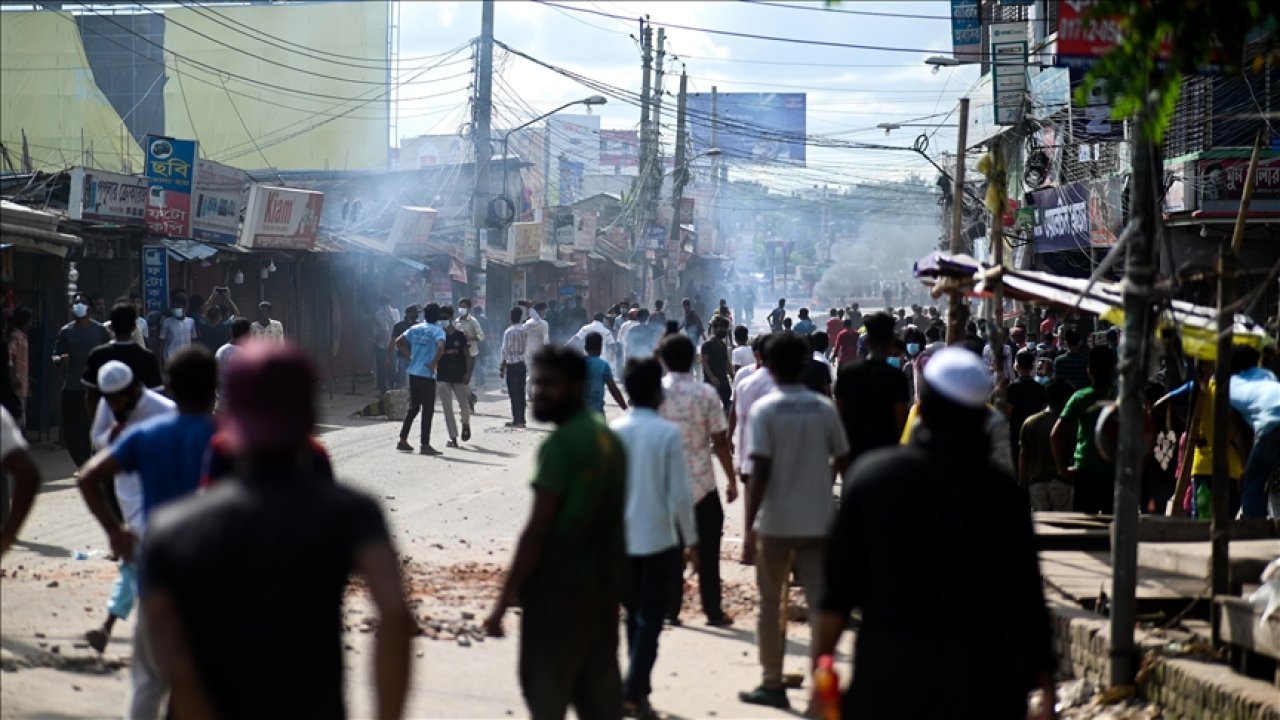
x: 1222, y: 35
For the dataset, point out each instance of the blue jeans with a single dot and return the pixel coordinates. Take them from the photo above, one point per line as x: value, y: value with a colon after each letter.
x: 123, y: 591
x: 651, y: 576
x: 1263, y: 463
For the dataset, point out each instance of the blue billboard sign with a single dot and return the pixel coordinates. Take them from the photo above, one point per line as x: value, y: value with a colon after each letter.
x: 155, y: 278
x: 764, y: 127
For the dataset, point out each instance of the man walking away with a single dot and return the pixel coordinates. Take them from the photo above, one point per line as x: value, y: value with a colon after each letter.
x: 1073, y: 366
x: 797, y: 449
x: 424, y: 345
x: 75, y: 341
x: 456, y: 366
x: 692, y: 325
x: 1255, y: 394
x: 804, y: 326
x: 539, y: 331
x: 696, y: 409
x: 1025, y: 397
x: 742, y: 355
x: 775, y: 317
x: 125, y: 403
x: 600, y: 376
x: 871, y: 394
x: 659, y: 515
x: 142, y: 363
x: 221, y: 572
x: 642, y: 340
x: 568, y: 570
x: 1092, y: 476
x: 817, y: 370
x: 715, y: 361
x: 659, y: 316
x: 846, y: 347
x: 886, y: 527
x: 384, y: 320
x: 167, y: 454
x: 399, y: 362
x: 513, y: 367
x: 835, y: 324
x: 17, y: 464
x: 240, y: 334
x: 751, y: 384
x: 1036, y: 470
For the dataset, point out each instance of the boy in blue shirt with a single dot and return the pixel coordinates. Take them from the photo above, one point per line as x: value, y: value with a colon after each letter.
x: 599, y: 375
x: 423, y: 344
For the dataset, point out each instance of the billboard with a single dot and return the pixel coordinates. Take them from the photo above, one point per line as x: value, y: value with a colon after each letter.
x: 584, y: 237
x: 281, y: 218
x: 765, y: 127
x: 411, y: 230
x: 966, y: 31
x: 107, y: 196
x: 170, y: 169
x: 1082, y: 40
x: 619, y: 148
x: 218, y: 203
x: 1222, y: 184
x: 563, y: 228
x: 432, y: 150
x: 526, y: 246
x: 573, y: 151
x: 1078, y: 215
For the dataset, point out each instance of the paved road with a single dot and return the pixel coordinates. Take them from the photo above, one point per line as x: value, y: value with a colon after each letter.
x: 454, y: 518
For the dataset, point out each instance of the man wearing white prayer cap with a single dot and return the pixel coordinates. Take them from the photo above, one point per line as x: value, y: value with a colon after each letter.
x: 917, y: 521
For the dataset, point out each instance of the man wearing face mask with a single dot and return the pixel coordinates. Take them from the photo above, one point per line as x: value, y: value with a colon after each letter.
x: 871, y: 394
x: 471, y: 327
x: 75, y: 341
x: 177, y: 331
x: 124, y: 403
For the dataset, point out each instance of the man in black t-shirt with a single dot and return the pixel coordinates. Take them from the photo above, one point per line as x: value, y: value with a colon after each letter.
x: 817, y: 372
x: 453, y: 377
x: 1025, y: 396
x: 715, y: 360
x: 245, y: 626
x: 143, y: 363
x: 401, y: 380
x: 871, y: 394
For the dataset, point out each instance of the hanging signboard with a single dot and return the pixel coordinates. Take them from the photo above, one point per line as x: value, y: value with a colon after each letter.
x: 411, y: 230
x: 281, y: 218
x: 1009, y: 70
x: 170, y: 171
x: 107, y: 196
x: 1078, y: 215
x: 966, y: 31
x: 219, y: 201
x: 527, y: 242
x: 155, y: 278
x: 563, y: 227
x: 584, y: 237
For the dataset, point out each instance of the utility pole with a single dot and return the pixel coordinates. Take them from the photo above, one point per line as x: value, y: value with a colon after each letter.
x: 681, y: 174
x: 482, y: 147
x: 955, y: 319
x: 654, y: 184
x: 640, y: 187
x: 1139, y: 324
x: 996, y: 334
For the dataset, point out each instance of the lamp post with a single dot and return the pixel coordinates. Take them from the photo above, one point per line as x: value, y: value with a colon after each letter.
x: 506, y: 140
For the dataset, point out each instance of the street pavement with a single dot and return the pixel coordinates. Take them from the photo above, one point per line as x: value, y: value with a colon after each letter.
x: 455, y: 520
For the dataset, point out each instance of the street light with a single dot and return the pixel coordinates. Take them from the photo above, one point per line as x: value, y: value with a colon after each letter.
x: 940, y: 61
x: 506, y: 139
x: 888, y: 127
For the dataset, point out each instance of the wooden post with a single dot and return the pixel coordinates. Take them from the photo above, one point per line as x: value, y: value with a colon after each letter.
x: 955, y: 313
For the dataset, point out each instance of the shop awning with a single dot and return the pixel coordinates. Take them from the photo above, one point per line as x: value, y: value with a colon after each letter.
x: 188, y: 250
x: 26, y: 228
x: 412, y: 263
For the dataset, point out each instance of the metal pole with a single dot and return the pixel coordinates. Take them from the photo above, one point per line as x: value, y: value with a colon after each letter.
x: 681, y: 171
x: 1130, y: 448
x: 996, y: 334
x: 482, y: 147
x: 955, y: 323
x: 1220, y: 528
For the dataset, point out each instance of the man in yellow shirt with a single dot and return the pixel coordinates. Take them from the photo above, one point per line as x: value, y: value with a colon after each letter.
x: 1202, y: 461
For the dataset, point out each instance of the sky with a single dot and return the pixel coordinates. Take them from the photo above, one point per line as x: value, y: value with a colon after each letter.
x: 850, y: 91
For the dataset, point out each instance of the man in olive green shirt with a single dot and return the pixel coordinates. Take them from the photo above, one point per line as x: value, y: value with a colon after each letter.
x: 569, y: 564
x: 1091, y: 475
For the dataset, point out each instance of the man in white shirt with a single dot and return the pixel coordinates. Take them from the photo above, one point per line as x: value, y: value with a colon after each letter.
x: 659, y: 515
x: 471, y: 327
x: 624, y: 330
x: 266, y: 327
x: 596, y: 326
x: 750, y: 384
x: 743, y: 355
x: 124, y: 403
x: 538, y: 334
x: 240, y: 334
x: 177, y: 331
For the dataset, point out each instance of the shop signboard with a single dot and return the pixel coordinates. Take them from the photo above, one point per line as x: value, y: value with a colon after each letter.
x: 411, y: 231
x: 107, y: 197
x: 1079, y: 215
x: 219, y: 202
x: 584, y: 237
x: 1083, y: 39
x: 155, y: 278
x: 1221, y: 184
x: 526, y: 242
x: 1009, y: 70
x: 563, y: 228
x: 966, y: 31
x: 280, y: 218
x: 170, y: 171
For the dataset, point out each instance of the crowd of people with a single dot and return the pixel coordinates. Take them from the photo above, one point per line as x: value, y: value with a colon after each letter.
x: 202, y: 470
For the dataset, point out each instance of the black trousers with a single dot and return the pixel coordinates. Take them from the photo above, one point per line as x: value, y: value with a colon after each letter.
x: 422, y: 396
x: 1094, y: 492
x: 708, y: 516
x: 517, y: 374
x: 569, y: 654
x: 75, y: 426
x: 645, y: 604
